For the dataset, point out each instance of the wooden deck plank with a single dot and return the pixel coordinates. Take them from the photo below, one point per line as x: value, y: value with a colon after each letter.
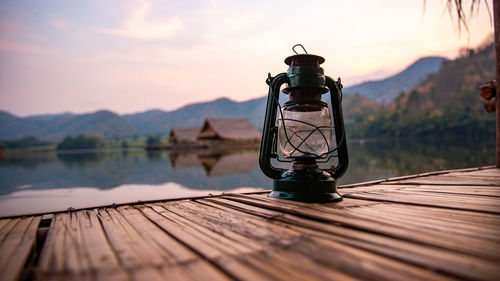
x: 269, y: 262
x: 10, y: 223
x: 274, y: 256
x: 67, y: 255
x: 468, y: 245
x: 179, y: 262
x: 453, y: 189
x: 455, y: 179
x: 441, y: 220
x: 234, y: 261
x: 492, y: 191
x: 490, y: 172
x: 4, y: 222
x: 378, y: 187
x: 297, y: 249
x: 435, y: 259
x: 77, y: 247
x: 437, y: 213
x: 135, y: 255
x: 16, y: 246
x: 453, y: 201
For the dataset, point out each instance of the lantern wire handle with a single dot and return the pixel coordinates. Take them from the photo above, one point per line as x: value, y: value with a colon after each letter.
x: 293, y: 48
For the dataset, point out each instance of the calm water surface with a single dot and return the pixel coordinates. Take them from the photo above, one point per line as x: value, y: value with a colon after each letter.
x: 46, y: 182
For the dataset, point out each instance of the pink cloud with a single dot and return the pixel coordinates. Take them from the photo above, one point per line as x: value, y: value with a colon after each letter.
x: 22, y: 48
x: 58, y: 23
x: 139, y: 26
x: 9, y: 27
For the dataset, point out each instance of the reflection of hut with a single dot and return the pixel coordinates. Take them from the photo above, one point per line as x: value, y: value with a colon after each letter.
x: 224, y: 165
x: 183, y: 135
x: 184, y: 160
x: 229, y: 131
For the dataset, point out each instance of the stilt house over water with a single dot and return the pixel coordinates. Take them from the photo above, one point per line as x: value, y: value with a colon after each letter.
x: 229, y: 130
x: 183, y: 135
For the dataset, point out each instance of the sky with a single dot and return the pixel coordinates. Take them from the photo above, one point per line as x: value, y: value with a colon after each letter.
x: 130, y: 56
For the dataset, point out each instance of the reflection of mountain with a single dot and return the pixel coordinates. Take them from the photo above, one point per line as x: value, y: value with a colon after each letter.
x: 80, y: 159
x: 376, y: 160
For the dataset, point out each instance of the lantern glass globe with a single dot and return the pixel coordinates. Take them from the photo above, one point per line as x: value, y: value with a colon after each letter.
x: 305, y: 131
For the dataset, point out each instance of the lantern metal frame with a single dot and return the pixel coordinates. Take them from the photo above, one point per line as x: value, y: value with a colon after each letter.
x: 311, y: 184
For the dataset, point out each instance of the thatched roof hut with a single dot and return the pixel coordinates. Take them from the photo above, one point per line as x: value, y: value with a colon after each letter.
x: 183, y: 135
x: 229, y: 129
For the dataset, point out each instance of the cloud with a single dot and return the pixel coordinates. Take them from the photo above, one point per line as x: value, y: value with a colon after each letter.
x: 9, y: 27
x: 22, y: 48
x: 139, y: 26
x: 58, y: 23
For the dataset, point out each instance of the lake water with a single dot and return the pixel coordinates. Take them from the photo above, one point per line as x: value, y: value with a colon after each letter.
x: 46, y: 182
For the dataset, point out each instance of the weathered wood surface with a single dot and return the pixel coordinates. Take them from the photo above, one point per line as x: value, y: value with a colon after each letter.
x: 436, y: 227
x: 18, y: 238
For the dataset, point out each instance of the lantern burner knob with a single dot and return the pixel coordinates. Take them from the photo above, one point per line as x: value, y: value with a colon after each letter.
x: 304, y: 163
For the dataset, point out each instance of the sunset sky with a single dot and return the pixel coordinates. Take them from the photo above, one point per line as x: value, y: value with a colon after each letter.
x: 129, y: 56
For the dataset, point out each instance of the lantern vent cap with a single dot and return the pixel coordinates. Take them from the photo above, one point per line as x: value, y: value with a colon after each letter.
x: 304, y: 59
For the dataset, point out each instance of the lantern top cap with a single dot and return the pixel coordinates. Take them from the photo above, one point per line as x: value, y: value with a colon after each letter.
x: 304, y: 59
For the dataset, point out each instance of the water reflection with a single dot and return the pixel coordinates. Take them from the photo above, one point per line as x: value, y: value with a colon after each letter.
x: 216, y: 163
x: 80, y: 159
x: 152, y: 175
x: 392, y: 158
x: 220, y: 171
x: 229, y: 164
x: 187, y: 159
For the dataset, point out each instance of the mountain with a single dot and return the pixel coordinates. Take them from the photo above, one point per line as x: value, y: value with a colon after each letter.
x: 154, y: 122
x: 446, y: 103
x: 386, y: 90
x: 12, y: 126
x: 193, y: 115
x: 55, y: 127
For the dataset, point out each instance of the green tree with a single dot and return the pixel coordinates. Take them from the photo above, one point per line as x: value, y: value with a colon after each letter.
x: 81, y: 142
x: 153, y: 141
x: 28, y: 141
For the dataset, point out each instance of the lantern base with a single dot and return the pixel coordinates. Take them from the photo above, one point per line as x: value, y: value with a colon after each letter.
x: 311, y: 185
x: 307, y: 197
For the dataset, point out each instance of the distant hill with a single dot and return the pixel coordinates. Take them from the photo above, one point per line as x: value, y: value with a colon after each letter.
x: 55, y: 127
x: 446, y: 103
x: 111, y: 125
x: 154, y: 122
x: 386, y: 90
x: 160, y: 122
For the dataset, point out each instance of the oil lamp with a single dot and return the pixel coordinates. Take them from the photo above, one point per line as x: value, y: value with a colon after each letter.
x: 303, y: 129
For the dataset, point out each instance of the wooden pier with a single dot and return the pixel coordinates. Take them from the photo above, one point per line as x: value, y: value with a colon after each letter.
x: 435, y: 226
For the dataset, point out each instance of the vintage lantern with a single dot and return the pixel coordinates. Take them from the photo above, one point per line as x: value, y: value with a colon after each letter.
x: 302, y: 129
